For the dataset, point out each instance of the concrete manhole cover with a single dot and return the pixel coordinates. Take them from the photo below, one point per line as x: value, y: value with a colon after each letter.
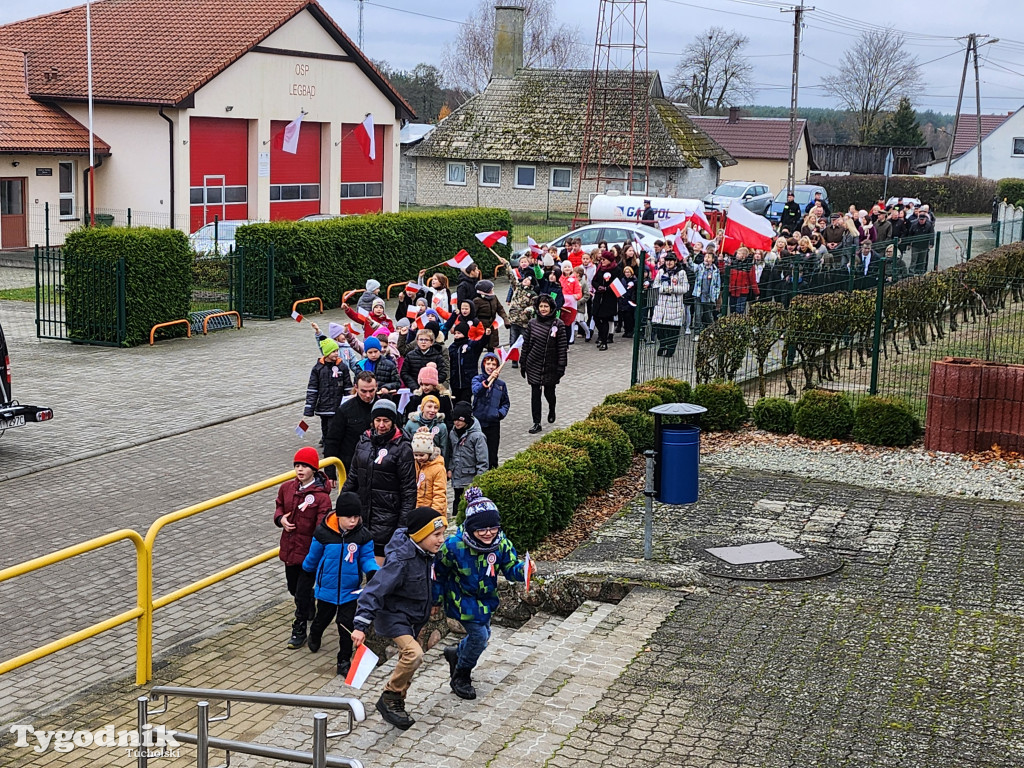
x: 757, y: 558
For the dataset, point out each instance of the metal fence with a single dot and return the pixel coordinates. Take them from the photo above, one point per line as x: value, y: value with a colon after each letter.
x: 81, y: 301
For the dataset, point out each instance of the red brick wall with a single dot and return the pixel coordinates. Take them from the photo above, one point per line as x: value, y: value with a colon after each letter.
x: 973, y: 405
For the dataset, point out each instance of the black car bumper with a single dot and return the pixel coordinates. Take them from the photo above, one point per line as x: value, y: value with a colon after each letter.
x: 18, y: 415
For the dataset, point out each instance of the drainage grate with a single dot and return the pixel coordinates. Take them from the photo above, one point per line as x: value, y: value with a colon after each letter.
x: 751, y: 558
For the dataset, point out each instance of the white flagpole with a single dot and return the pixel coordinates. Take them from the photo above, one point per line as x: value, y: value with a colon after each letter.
x: 92, y: 147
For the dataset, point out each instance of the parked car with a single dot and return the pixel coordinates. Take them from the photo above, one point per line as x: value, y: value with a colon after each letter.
x: 12, y: 413
x: 610, y: 232
x: 324, y: 216
x: 903, y: 201
x: 755, y: 196
x: 802, y: 194
x: 203, y: 240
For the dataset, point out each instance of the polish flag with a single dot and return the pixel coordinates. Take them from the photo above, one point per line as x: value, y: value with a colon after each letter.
x: 460, y: 260
x: 412, y: 312
x: 527, y: 566
x: 513, y: 352
x: 363, y: 663
x: 498, y: 322
x: 618, y: 288
x: 455, y: 297
x: 642, y: 246
x: 350, y: 329
x: 490, y: 238
x: 421, y: 323
x: 296, y: 316
x: 535, y: 249
x: 301, y: 429
x: 674, y: 224
x: 364, y: 135
x: 679, y: 247
x: 744, y: 227
x: 699, y: 219
x: 290, y: 143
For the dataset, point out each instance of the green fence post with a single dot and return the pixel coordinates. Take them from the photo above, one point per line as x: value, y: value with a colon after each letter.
x: 639, y: 330
x: 46, y: 222
x: 970, y: 239
x: 129, y: 218
x: 270, y: 283
x: 876, y: 341
x: 241, y: 282
x: 996, y: 230
x: 938, y: 241
x: 122, y: 321
x: 38, y: 292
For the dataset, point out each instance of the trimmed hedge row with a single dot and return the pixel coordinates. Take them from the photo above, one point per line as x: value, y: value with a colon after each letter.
x: 157, y: 281
x: 945, y: 194
x: 825, y: 415
x: 325, y: 258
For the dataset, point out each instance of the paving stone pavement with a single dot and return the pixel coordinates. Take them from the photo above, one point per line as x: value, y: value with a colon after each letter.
x: 197, y: 437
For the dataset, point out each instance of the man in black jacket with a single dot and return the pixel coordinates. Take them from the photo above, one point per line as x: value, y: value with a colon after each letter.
x: 818, y: 200
x: 350, y: 421
x: 922, y: 230
x: 791, y: 216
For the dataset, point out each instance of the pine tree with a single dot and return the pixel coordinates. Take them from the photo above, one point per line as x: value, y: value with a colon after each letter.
x: 901, y: 128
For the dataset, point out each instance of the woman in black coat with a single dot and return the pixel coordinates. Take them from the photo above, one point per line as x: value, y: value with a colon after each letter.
x: 606, y: 303
x: 383, y: 473
x: 544, y: 357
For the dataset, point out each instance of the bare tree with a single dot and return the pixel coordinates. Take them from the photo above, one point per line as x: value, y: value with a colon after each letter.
x: 466, y: 62
x: 713, y: 72
x: 872, y: 77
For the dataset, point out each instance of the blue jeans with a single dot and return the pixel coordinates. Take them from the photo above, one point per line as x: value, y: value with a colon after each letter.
x: 473, y: 644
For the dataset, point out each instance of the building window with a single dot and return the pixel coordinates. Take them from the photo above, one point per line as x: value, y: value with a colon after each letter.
x: 285, y: 193
x: 220, y: 195
x: 1018, y: 146
x: 490, y: 175
x: 638, y: 185
x: 66, y: 174
x: 526, y: 176
x: 456, y: 174
x: 561, y: 179
x: 361, y: 189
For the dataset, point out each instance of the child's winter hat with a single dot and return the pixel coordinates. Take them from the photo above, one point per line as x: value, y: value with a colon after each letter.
x: 403, y: 323
x: 485, y: 287
x: 385, y: 408
x: 461, y: 327
x: 334, y: 330
x: 328, y: 346
x: 348, y: 505
x: 423, y: 442
x: 307, y: 455
x: 372, y: 285
x: 371, y: 343
x: 463, y: 410
x: 423, y: 521
x: 433, y: 327
x: 431, y: 399
x: 427, y: 375
x: 393, y: 339
x: 377, y: 300
x: 489, y: 356
x: 481, y: 512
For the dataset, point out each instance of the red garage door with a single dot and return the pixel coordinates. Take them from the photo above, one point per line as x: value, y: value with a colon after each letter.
x: 294, y: 179
x: 219, y: 169
x: 362, y: 179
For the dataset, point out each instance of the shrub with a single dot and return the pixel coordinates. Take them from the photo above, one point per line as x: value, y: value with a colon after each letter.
x: 823, y: 415
x: 309, y: 257
x: 157, y: 281
x: 1010, y: 189
x: 638, y: 426
x: 885, y: 421
x: 642, y: 401
x: 622, y: 448
x: 665, y: 392
x: 949, y: 194
x: 774, y: 414
x: 727, y: 410
x: 524, y: 501
x: 681, y: 388
x: 557, y: 477
x: 576, y: 459
x: 598, y: 448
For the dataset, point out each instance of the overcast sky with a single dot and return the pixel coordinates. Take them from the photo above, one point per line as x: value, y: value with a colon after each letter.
x: 407, y: 37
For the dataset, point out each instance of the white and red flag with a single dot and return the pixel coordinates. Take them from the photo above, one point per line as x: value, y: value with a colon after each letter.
x: 301, y: 429
x: 675, y: 223
x: 460, y: 260
x: 699, y: 219
x: 679, y: 247
x: 490, y: 238
x: 535, y: 249
x: 365, y: 137
x: 290, y: 142
x: 412, y: 311
x: 528, y: 567
x: 618, y: 288
x: 513, y: 352
x: 362, y: 665
x: 296, y: 316
x: 744, y: 227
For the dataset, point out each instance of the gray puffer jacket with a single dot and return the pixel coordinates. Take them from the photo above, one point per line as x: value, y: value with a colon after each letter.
x: 467, y: 454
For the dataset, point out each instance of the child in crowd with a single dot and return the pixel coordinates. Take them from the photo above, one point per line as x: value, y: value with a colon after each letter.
x: 365, y: 303
x: 466, y: 570
x: 382, y: 366
x: 348, y: 356
x: 329, y: 382
x: 467, y: 452
x: 340, y: 554
x: 374, y: 320
x: 430, y: 386
x: 428, y: 417
x: 488, y: 309
x: 463, y: 353
x: 302, y: 504
x: 431, y: 480
x: 490, y: 404
x: 398, y: 603
x: 627, y: 302
x: 583, y: 310
x: 523, y: 282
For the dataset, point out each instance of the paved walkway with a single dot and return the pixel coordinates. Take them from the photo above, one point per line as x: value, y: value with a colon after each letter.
x: 142, y: 432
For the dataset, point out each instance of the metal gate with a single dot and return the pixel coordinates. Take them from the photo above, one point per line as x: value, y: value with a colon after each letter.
x: 81, y: 300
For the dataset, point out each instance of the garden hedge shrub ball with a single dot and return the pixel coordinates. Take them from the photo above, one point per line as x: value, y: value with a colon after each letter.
x: 775, y: 414
x: 885, y: 421
x: 622, y: 448
x: 823, y: 415
x: 638, y: 426
x: 727, y: 408
x: 576, y: 459
x: 559, y: 479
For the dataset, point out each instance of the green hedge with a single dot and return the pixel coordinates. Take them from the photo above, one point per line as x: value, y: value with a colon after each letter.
x: 576, y: 459
x: 774, y: 414
x: 727, y: 408
x: 824, y: 415
x: 1010, y: 189
x: 598, y: 448
x: 945, y: 194
x: 642, y: 401
x: 524, y: 500
x: 885, y: 421
x: 326, y: 258
x: 638, y: 426
x: 622, y: 448
x: 157, y: 281
x: 681, y: 389
x: 559, y: 480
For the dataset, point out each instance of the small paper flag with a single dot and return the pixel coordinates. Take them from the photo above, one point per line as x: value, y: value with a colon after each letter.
x: 412, y: 311
x: 527, y: 563
x: 618, y: 288
x: 296, y: 316
x: 301, y: 429
x: 404, y: 396
x: 363, y: 663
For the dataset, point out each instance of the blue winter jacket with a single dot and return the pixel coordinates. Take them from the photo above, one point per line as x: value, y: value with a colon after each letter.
x: 397, y: 601
x: 490, y: 404
x: 466, y: 584
x: 339, y: 558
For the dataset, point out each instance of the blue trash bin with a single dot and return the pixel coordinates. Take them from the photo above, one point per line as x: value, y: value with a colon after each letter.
x: 679, y: 457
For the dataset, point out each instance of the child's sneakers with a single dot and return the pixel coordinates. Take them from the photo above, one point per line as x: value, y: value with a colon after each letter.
x: 298, y: 638
x: 462, y: 684
x: 314, y: 640
x: 391, y: 706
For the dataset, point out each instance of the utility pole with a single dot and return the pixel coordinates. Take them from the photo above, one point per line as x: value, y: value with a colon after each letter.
x: 798, y: 18
x: 959, y: 102
x: 360, y: 36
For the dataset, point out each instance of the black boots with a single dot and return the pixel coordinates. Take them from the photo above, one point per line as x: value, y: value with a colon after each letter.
x: 451, y: 655
x: 315, y: 638
x: 551, y: 416
x: 462, y: 684
x: 535, y: 429
x: 343, y: 667
x: 391, y: 706
x: 298, y: 638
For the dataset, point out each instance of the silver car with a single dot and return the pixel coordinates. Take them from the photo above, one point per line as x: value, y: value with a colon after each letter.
x: 610, y: 232
x: 755, y: 196
x: 205, y: 241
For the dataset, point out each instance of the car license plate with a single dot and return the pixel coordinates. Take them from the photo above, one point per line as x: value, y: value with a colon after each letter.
x: 17, y: 421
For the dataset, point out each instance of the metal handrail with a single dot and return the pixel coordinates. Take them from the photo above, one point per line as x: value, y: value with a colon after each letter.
x: 354, y: 706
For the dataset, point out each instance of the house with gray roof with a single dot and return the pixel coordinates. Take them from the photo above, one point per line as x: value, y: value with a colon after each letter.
x: 518, y: 143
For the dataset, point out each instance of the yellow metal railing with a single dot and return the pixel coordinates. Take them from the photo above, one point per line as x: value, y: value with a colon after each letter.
x: 146, y: 604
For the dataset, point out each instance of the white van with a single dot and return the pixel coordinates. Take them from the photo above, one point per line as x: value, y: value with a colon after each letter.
x: 616, y: 206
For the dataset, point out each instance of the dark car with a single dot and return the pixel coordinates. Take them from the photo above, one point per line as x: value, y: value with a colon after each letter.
x: 802, y: 194
x: 12, y: 413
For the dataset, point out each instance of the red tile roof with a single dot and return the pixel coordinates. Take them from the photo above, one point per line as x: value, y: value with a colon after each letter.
x: 158, y: 52
x: 27, y: 126
x: 966, y: 133
x: 756, y: 138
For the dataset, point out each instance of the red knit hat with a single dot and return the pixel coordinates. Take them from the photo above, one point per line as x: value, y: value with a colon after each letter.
x: 307, y: 455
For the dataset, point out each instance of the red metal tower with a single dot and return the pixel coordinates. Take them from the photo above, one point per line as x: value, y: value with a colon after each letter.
x: 616, y: 152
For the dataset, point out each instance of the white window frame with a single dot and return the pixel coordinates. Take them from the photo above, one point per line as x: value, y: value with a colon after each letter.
x: 515, y: 178
x: 480, y: 177
x: 631, y: 182
x: 551, y: 180
x: 67, y: 195
x: 448, y: 174
x: 1013, y: 144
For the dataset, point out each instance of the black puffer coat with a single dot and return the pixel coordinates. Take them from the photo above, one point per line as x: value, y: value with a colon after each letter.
x: 466, y: 288
x: 383, y: 473
x: 328, y: 383
x: 416, y: 360
x: 606, y: 303
x: 545, y: 351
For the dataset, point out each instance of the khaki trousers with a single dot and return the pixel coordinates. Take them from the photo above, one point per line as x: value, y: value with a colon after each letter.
x: 410, y: 656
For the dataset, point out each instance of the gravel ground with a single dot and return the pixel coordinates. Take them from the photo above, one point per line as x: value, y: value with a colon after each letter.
x: 984, y: 476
